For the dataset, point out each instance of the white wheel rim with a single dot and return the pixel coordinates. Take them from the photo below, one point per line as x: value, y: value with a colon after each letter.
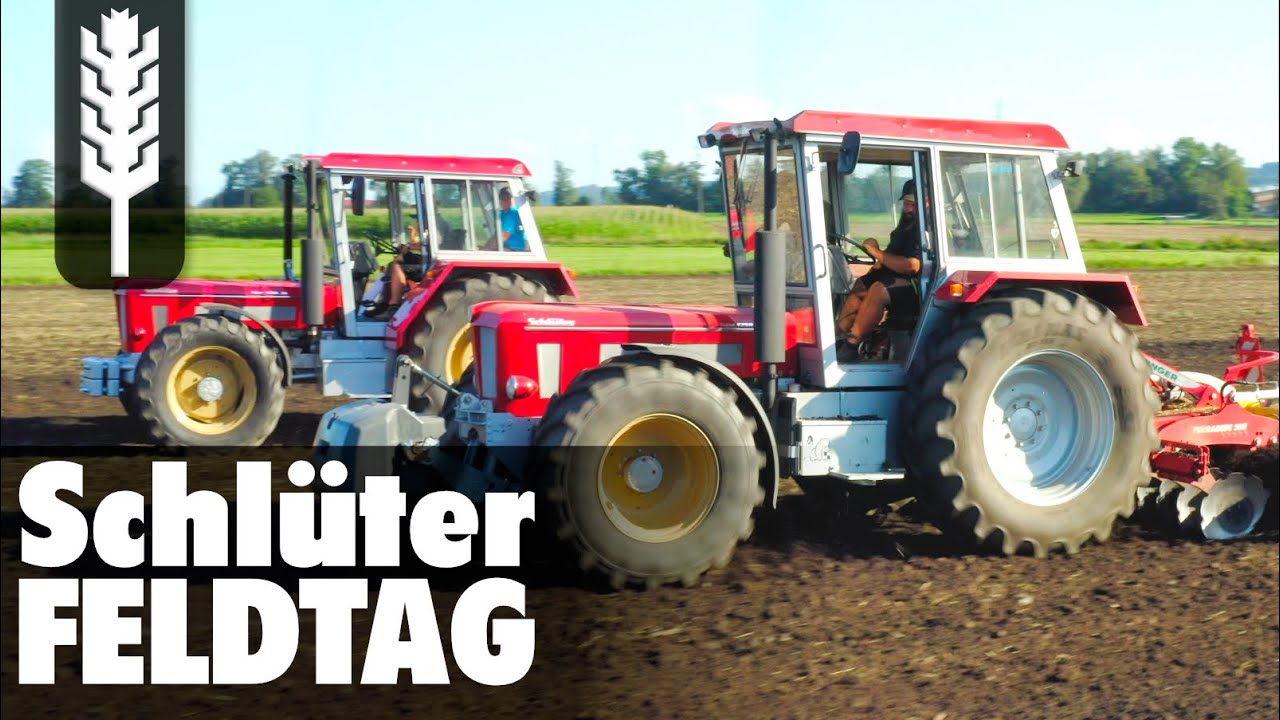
x: 1048, y: 428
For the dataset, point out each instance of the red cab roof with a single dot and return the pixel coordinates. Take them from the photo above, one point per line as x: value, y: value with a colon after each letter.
x: 901, y: 127
x: 424, y: 163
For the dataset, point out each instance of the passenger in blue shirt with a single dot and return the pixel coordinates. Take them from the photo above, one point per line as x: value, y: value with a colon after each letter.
x: 512, y: 230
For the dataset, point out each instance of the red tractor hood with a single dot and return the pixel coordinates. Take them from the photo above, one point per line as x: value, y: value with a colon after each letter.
x: 640, y: 318
x: 553, y: 343
x: 145, y: 311
x: 225, y: 289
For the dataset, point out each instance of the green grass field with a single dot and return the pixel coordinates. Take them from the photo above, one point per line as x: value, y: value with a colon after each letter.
x: 628, y: 225
x: 29, y: 259
x: 598, y: 240
x: 1102, y: 259
x: 1141, y: 219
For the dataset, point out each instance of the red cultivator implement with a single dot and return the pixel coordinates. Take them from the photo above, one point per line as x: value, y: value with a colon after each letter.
x: 1209, y: 427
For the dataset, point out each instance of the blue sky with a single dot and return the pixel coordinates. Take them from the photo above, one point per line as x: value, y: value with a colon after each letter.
x: 594, y: 83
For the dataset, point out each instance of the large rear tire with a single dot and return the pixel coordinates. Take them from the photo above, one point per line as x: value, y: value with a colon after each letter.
x: 1034, y: 427
x: 650, y: 471
x: 440, y: 339
x: 208, y: 381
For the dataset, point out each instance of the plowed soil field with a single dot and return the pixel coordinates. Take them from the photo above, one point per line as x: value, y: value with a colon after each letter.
x: 819, y: 615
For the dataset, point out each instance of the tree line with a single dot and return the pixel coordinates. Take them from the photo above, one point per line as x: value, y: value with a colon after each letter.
x: 1188, y: 178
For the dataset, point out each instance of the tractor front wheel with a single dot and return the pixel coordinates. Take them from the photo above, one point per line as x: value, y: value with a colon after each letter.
x: 1034, y: 427
x: 440, y: 339
x: 208, y: 381
x: 650, y: 471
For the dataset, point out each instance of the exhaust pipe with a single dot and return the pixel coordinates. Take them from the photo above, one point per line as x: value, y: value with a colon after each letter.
x: 770, y: 281
x: 288, y: 179
x: 313, y: 258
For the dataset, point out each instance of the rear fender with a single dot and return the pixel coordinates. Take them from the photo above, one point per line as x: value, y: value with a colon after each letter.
x: 1113, y: 291
x: 273, y: 337
x: 747, y: 401
x: 556, y: 277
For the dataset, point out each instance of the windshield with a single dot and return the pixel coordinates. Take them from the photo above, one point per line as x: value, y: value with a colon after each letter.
x: 744, y: 179
x: 391, y: 212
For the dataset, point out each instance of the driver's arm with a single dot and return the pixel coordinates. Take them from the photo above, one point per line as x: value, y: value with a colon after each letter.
x: 901, y: 264
x: 898, y: 263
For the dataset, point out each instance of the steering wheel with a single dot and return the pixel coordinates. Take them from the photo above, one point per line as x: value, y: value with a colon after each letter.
x: 841, y: 240
x: 380, y: 244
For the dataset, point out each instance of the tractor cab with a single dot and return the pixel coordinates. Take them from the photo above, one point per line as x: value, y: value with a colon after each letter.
x: 422, y: 213
x: 983, y: 195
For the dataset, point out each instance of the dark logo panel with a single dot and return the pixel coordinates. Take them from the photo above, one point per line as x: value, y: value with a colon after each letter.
x: 120, y: 141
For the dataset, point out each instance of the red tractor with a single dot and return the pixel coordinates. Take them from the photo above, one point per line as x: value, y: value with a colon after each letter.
x: 207, y: 362
x: 1002, y: 388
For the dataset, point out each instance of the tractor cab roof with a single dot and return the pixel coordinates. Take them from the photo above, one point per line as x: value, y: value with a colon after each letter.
x: 443, y: 164
x: 895, y: 127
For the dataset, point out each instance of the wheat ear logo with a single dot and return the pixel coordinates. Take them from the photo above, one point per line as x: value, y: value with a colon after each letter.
x: 119, y: 119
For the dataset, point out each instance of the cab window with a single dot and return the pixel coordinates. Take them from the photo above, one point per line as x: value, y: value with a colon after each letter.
x: 744, y: 178
x: 390, y: 217
x: 468, y: 215
x: 448, y: 198
x: 998, y: 206
x: 872, y: 201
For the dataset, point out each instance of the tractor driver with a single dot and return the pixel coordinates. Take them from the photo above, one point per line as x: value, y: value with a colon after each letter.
x: 404, y: 273
x: 890, y: 282
x: 513, y: 238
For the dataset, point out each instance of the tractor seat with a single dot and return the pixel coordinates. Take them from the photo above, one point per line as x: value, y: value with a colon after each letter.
x: 842, y: 278
x: 364, y: 264
x: 364, y: 258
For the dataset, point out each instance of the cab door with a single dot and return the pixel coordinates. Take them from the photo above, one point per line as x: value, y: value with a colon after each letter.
x: 865, y: 203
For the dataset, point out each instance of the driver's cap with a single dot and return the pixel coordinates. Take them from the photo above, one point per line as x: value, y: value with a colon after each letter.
x: 908, y: 190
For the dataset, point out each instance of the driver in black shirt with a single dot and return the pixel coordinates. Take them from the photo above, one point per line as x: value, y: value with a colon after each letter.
x: 889, y: 282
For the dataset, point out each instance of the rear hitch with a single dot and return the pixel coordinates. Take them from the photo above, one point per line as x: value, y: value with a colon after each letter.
x: 405, y: 361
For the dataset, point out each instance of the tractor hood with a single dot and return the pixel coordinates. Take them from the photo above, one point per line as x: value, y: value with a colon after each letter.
x: 538, y: 317
x: 222, y: 289
x: 552, y: 343
x: 145, y: 311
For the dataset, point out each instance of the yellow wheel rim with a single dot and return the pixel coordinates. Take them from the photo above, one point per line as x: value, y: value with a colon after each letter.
x: 459, y: 355
x: 212, y: 390
x: 658, y: 478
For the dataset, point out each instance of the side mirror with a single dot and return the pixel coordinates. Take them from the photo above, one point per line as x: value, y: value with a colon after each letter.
x: 357, y: 195
x: 850, y: 146
x: 1074, y: 168
x: 532, y: 195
